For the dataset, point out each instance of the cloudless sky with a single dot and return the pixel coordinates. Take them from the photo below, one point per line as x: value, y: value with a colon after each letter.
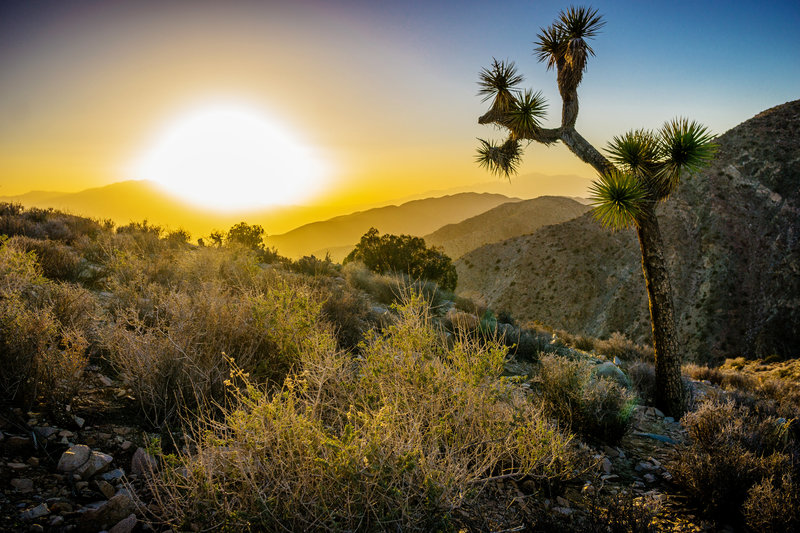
x: 384, y: 91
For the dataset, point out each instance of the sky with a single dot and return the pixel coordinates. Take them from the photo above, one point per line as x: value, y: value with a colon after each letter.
x: 383, y: 94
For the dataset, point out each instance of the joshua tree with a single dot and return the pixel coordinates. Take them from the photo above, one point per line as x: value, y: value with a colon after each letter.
x: 641, y: 169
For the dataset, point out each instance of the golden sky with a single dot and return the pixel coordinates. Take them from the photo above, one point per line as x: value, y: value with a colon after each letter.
x: 384, y: 94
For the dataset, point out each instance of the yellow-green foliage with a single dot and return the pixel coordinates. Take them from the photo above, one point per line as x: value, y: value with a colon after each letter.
x: 396, y: 439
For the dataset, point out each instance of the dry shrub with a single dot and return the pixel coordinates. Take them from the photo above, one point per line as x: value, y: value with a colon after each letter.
x: 643, y: 380
x: 382, y: 288
x: 173, y: 358
x: 597, y: 408
x: 618, y: 345
x: 42, y: 340
x: 773, y: 505
x: 732, y: 450
x: 348, y: 311
x: 396, y: 440
x: 57, y: 260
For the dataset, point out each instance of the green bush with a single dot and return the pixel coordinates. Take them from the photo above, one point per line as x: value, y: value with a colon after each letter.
x: 404, y: 254
x: 597, y: 408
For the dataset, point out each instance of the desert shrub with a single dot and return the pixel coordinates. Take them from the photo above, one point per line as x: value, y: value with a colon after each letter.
x: 593, y: 406
x: 404, y: 254
x: 643, y: 380
x: 618, y: 345
x: 384, y: 289
x: 773, y: 505
x: 397, y: 440
x: 313, y: 266
x: 174, y: 358
x: 732, y: 450
x: 45, y: 224
x: 178, y: 238
x: 42, y: 340
x: 57, y: 260
x: 247, y: 235
x: 349, y: 312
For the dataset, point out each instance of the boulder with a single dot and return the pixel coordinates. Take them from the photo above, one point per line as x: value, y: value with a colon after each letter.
x: 611, y: 371
x: 75, y: 457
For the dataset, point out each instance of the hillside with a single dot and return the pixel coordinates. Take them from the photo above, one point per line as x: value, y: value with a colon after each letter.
x: 731, y: 235
x: 419, y: 217
x: 503, y: 222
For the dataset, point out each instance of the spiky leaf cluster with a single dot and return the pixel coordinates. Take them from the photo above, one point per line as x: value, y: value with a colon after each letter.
x: 563, y: 44
x: 502, y: 160
x: 658, y: 159
x: 499, y: 82
x: 524, y: 117
x: 618, y: 198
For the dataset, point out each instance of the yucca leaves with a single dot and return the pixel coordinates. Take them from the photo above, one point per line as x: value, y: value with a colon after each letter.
x: 618, y: 198
x: 659, y: 159
x: 686, y: 145
x: 524, y: 116
x: 564, y: 41
x: 502, y: 160
x: 499, y: 80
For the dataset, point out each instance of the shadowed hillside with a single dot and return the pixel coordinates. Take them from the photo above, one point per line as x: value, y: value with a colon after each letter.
x: 503, y: 222
x: 338, y: 235
x: 732, y: 246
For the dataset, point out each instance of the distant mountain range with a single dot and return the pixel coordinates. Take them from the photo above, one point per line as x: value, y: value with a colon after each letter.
x: 338, y: 235
x: 732, y: 236
x: 507, y: 220
x: 526, y: 186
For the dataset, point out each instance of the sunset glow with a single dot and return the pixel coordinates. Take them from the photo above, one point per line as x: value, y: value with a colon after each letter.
x: 231, y: 157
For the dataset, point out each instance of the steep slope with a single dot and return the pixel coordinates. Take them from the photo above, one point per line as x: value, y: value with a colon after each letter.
x: 503, y: 222
x: 417, y: 217
x: 733, y: 246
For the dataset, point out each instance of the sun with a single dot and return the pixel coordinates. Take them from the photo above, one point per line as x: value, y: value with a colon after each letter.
x: 231, y: 157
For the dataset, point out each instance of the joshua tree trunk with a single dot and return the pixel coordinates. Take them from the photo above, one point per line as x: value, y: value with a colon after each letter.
x: 669, y: 389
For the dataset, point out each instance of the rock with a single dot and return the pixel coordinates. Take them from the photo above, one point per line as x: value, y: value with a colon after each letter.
x: 611, y: 371
x: 113, y: 475
x: 106, y: 381
x: 609, y: 477
x: 15, y: 444
x: 657, y: 412
x: 606, y: 465
x: 56, y: 521
x: 61, y: 507
x: 105, y: 488
x: 654, y: 436
x: 66, y: 433
x: 23, y: 485
x: 563, y: 502
x: 105, y: 514
x: 644, y: 465
x: 36, y: 512
x: 566, y: 511
x: 126, y: 525
x: 17, y: 466
x: 666, y: 476
x: 610, y: 451
x: 78, y: 421
x: 650, y: 478
x: 36, y: 528
x: 669, y: 420
x: 75, y: 457
x: 142, y: 462
x: 125, y: 445
x: 33, y: 460
x: 98, y: 462
x: 45, y: 432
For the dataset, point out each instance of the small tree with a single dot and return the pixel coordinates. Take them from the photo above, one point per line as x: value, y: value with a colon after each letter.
x: 250, y: 236
x: 642, y: 167
x: 404, y: 254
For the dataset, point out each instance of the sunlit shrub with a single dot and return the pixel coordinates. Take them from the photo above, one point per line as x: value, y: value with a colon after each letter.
x: 57, y: 260
x: 397, y: 440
